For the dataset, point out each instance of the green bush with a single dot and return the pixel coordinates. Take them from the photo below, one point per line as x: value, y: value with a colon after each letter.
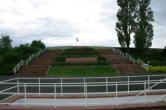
x: 79, y: 52
x: 155, y: 56
x: 7, y: 69
x: 81, y: 64
x: 81, y: 49
x: 25, y: 50
x: 10, y: 57
x: 60, y: 59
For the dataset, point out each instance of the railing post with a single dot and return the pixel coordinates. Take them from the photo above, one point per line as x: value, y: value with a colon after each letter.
x: 55, y: 90
x: 144, y: 88
x: 84, y: 87
x: 128, y: 88
x: 25, y: 95
x: 86, y: 96
x: 107, y: 85
x: 14, y: 70
x: 39, y: 86
x: 116, y: 93
x: 61, y: 87
x: 138, y: 61
x: 18, y: 86
x: 22, y: 62
x: 148, y: 81
x: 86, y: 90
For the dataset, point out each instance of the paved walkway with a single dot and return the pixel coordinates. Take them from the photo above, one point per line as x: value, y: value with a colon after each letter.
x: 86, y: 102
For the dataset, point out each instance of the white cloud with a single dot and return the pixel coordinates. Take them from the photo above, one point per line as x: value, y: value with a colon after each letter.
x: 59, y: 22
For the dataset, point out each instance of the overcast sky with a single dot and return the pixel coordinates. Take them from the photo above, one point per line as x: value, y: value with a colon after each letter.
x: 59, y: 22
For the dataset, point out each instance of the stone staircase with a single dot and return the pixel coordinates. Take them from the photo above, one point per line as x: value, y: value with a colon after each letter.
x: 122, y: 65
x: 39, y: 66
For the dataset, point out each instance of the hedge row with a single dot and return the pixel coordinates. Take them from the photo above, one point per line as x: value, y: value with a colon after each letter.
x: 77, y: 53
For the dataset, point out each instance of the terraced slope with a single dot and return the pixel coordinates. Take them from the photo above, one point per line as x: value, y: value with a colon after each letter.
x: 40, y: 66
x: 122, y: 65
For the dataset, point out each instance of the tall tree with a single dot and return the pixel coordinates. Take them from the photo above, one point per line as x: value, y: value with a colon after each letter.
x: 5, y: 42
x: 143, y: 28
x: 125, y: 25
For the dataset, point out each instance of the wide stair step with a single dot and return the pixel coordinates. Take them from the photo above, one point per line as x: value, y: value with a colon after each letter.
x: 129, y: 68
x: 117, y: 59
x: 35, y: 70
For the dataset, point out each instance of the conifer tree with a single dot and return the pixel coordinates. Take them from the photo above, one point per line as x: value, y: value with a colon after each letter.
x: 143, y: 27
x: 125, y: 25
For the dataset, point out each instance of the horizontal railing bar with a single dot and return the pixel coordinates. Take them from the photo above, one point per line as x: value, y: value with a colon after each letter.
x: 8, y: 89
x: 87, y: 85
x: 65, y: 83
x: 7, y: 80
x: 80, y: 93
x: 96, y: 77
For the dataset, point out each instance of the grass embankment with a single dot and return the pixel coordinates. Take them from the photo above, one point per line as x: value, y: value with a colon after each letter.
x: 99, y: 68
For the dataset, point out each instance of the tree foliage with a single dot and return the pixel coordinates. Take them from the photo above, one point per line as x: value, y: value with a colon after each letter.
x: 125, y: 24
x: 5, y: 42
x: 9, y: 56
x: 134, y: 18
x: 37, y: 44
x: 143, y: 27
x: 164, y: 51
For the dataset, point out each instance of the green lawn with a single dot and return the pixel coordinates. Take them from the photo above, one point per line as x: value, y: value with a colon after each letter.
x: 93, y: 70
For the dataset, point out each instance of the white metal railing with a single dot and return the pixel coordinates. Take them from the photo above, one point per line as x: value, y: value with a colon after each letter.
x: 149, y: 88
x: 145, y: 85
x: 127, y: 56
x: 26, y: 62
